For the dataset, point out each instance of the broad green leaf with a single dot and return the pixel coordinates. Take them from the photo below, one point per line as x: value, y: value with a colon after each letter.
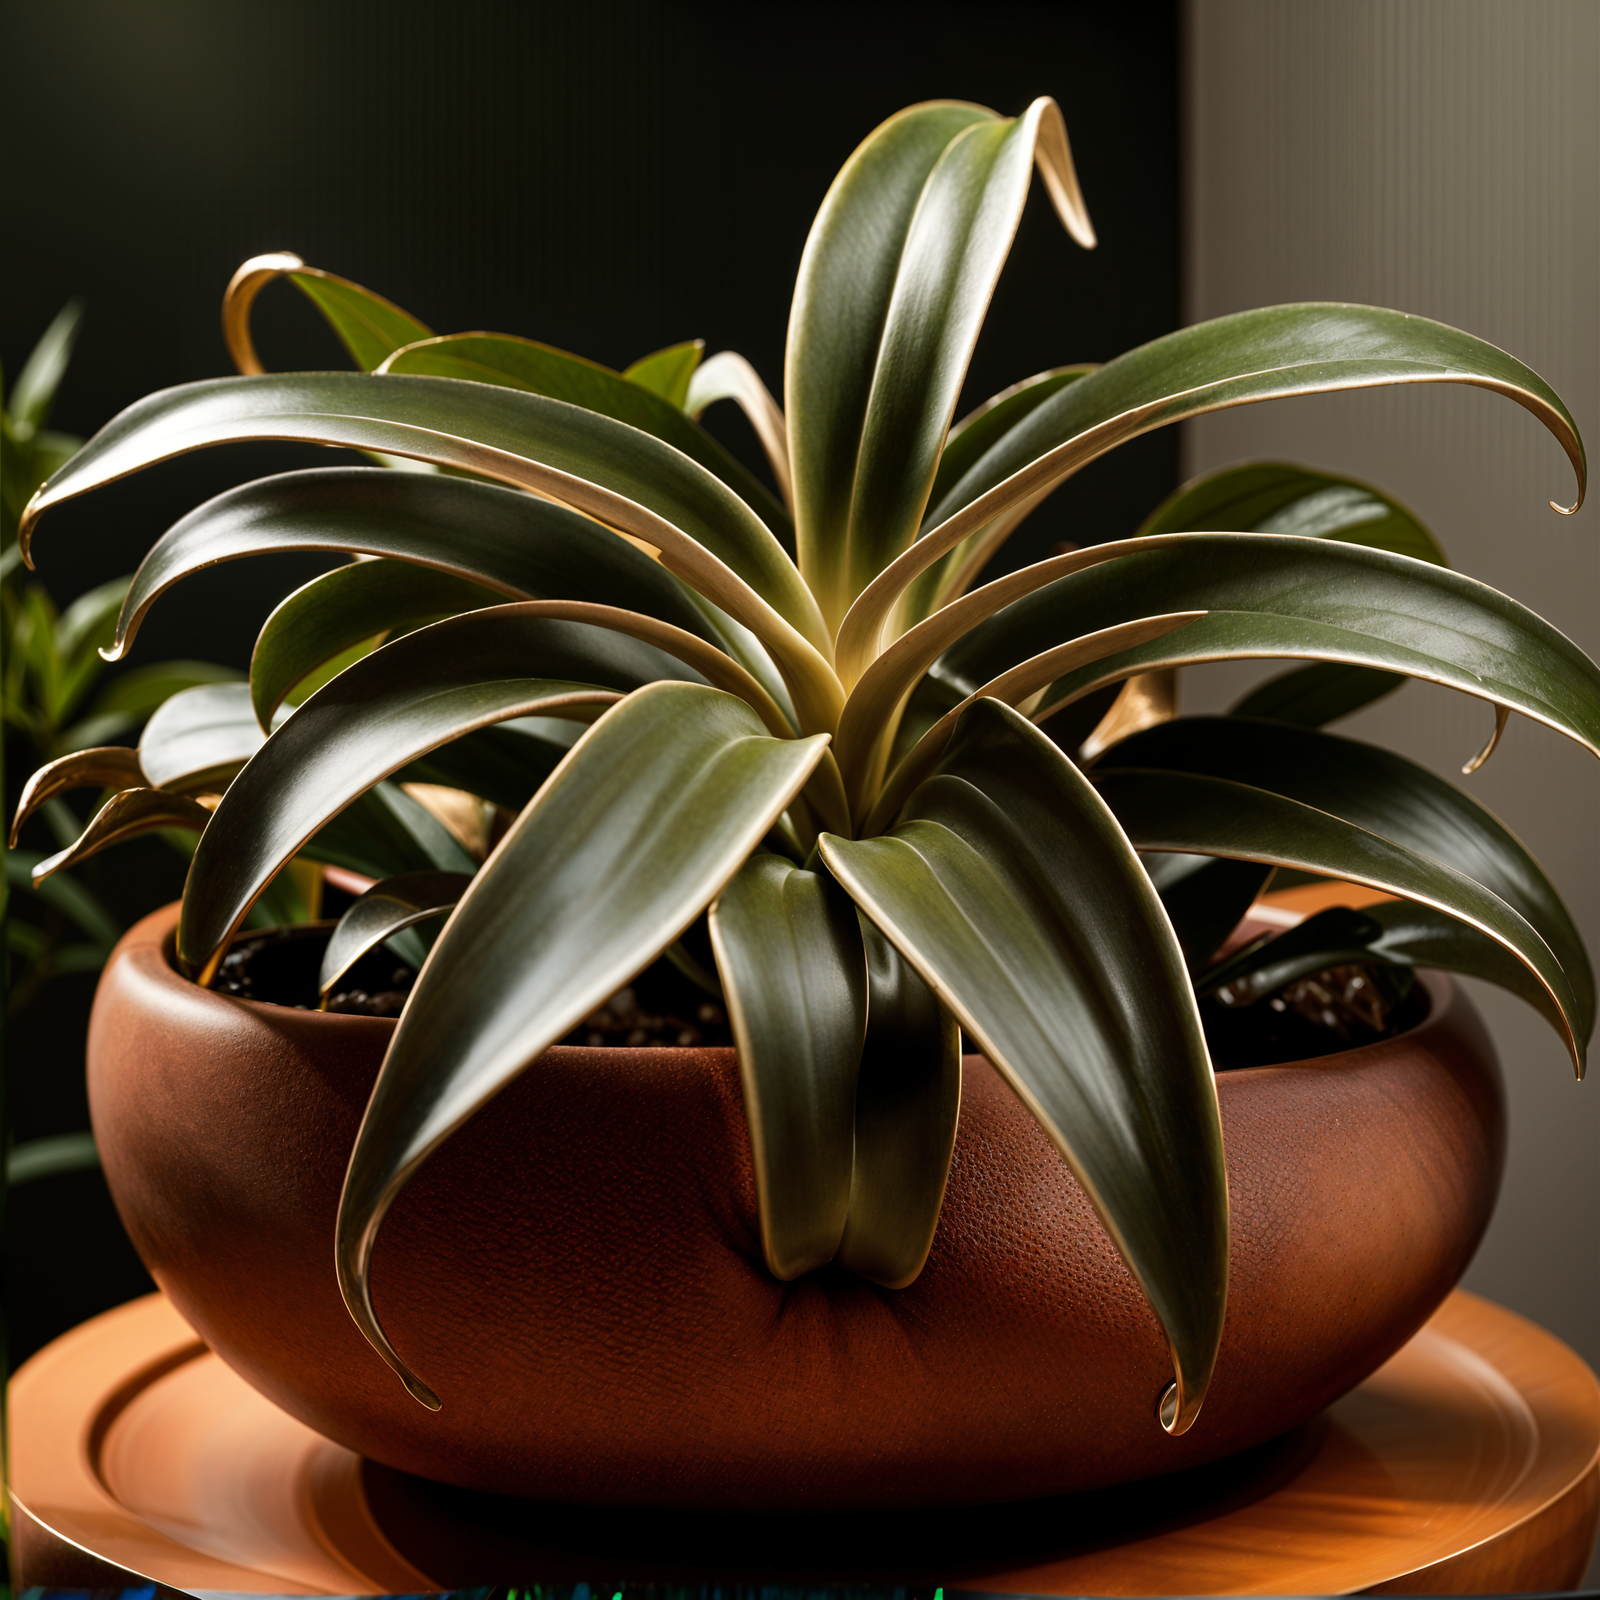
x: 968, y: 441
x: 107, y: 767
x: 923, y: 278
x: 705, y: 533
x: 1320, y: 693
x: 1269, y: 497
x: 728, y: 376
x: 514, y: 363
x: 504, y: 764
x: 512, y: 543
x: 1167, y: 810
x: 43, y: 371
x: 1234, y: 360
x: 200, y: 738
x: 1010, y: 888
x: 667, y: 372
x: 391, y: 707
x: 1271, y: 594
x: 341, y: 609
x: 126, y: 816
x: 908, y: 1098
x: 368, y: 326
x: 841, y: 304
x: 385, y: 833
x: 657, y: 807
x: 1384, y: 793
x: 795, y: 979
x: 382, y: 912
x: 1204, y: 898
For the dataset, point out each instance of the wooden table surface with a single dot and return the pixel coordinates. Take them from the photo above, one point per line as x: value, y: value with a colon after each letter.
x: 1468, y: 1463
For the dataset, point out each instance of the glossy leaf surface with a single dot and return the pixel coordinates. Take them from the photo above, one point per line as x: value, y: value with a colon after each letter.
x: 525, y: 364
x: 794, y: 976
x: 1268, y: 594
x: 706, y: 534
x: 908, y: 1100
x: 383, y: 911
x: 1234, y: 360
x: 522, y: 547
x: 1010, y: 888
x: 667, y: 372
x: 1270, y: 497
x: 107, y: 767
x: 906, y: 288
x: 656, y: 808
x: 126, y: 816
x: 1167, y: 810
x: 335, y: 612
x: 841, y: 304
x: 389, y: 708
x: 1385, y: 794
x: 200, y: 738
x: 1397, y: 933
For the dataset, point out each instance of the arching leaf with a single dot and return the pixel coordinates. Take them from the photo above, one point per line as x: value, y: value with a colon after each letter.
x: 705, y: 533
x: 908, y: 1099
x: 338, y: 610
x: 1268, y: 595
x: 477, y: 532
x: 1233, y: 360
x: 655, y: 809
x: 1166, y: 810
x: 368, y: 326
x: 1384, y: 793
x: 381, y: 912
x: 389, y: 708
x: 893, y: 287
x: 795, y: 979
x: 105, y: 767
x: 1012, y: 891
x: 514, y: 363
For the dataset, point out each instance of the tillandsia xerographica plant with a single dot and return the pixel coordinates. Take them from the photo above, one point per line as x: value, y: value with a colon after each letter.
x: 795, y: 716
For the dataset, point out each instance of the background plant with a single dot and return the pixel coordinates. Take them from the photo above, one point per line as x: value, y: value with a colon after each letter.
x: 815, y: 727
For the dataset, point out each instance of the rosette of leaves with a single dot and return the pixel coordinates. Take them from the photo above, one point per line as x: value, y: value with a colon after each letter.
x: 800, y: 716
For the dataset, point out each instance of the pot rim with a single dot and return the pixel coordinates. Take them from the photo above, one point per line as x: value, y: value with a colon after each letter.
x: 1439, y: 989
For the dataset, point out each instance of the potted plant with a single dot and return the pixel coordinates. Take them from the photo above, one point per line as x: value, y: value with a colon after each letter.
x: 791, y: 744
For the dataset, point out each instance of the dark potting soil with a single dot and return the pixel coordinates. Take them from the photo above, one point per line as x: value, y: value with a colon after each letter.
x: 1314, y: 1016
x: 1336, y: 1009
x: 280, y: 965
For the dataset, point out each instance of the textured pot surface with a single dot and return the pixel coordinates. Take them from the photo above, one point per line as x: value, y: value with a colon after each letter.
x: 578, y: 1274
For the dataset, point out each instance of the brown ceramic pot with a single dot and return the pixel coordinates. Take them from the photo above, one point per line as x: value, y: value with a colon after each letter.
x: 578, y: 1273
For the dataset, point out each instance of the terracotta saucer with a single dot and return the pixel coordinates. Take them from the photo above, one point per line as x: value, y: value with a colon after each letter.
x: 1466, y: 1463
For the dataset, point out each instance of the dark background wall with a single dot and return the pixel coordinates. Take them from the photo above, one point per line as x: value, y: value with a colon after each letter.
x: 608, y: 177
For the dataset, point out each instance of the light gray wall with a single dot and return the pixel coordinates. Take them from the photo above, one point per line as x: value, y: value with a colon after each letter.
x: 1442, y: 157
